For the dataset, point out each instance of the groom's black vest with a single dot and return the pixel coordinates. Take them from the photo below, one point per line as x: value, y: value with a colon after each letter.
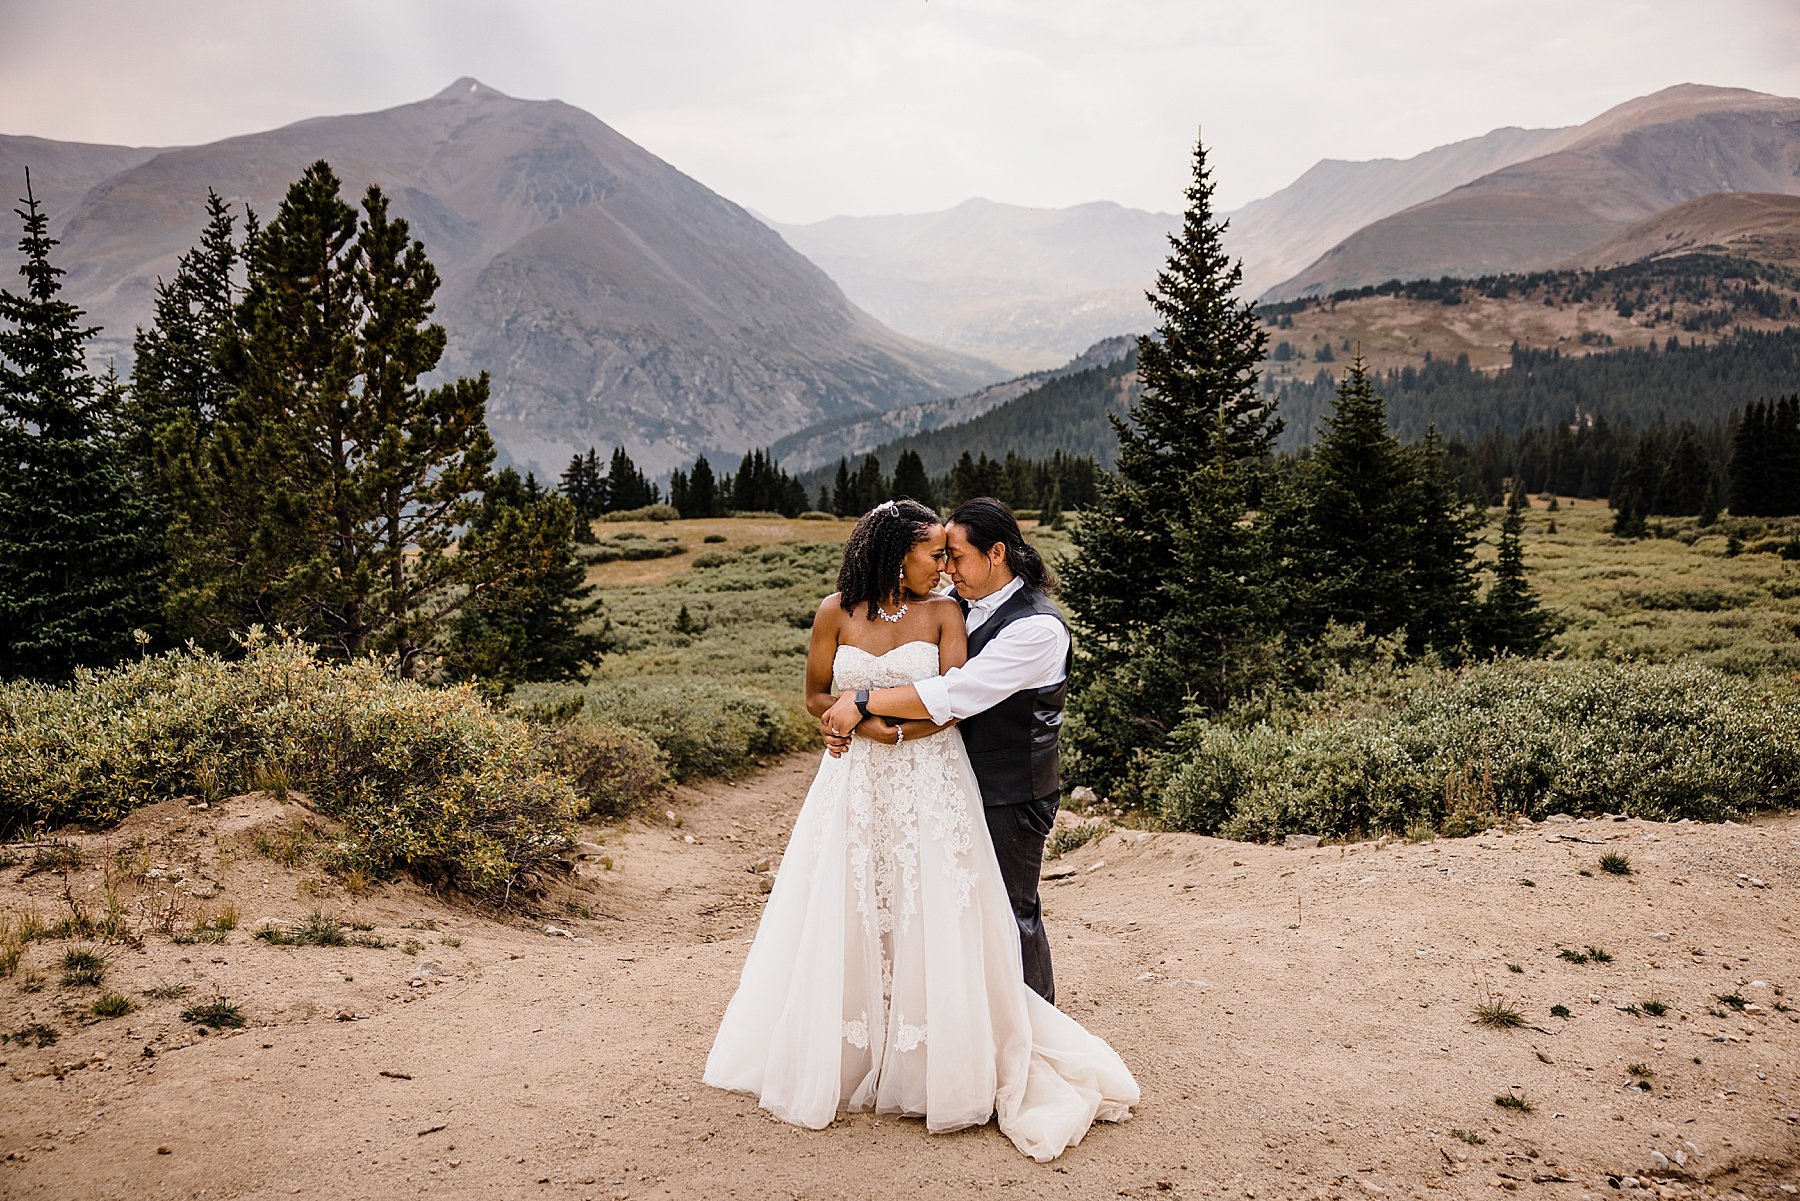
x: 1014, y: 745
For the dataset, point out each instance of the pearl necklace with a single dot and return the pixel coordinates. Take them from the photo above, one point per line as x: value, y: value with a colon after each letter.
x: 886, y: 616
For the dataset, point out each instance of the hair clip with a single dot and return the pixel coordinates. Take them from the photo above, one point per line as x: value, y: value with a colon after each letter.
x: 887, y: 506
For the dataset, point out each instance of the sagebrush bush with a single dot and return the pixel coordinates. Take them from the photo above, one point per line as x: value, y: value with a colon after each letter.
x: 430, y: 779
x: 1530, y: 737
x: 629, y: 546
x: 647, y: 513
x: 613, y: 770
x: 705, y: 729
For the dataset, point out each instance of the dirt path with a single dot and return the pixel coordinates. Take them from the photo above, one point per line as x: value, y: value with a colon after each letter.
x: 1299, y: 1021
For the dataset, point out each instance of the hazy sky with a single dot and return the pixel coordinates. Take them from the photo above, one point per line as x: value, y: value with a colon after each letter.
x: 802, y: 109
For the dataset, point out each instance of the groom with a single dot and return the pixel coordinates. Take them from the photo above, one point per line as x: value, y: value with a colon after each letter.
x: 1008, y: 699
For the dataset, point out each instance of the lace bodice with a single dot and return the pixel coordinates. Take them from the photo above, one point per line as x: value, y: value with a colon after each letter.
x: 907, y: 663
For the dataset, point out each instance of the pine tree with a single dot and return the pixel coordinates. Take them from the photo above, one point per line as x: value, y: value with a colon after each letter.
x: 703, y: 490
x: 78, y: 547
x: 843, y: 492
x: 178, y: 382
x: 678, y: 493
x: 1170, y: 579
x: 331, y: 489
x: 1349, y: 541
x: 1783, y: 470
x: 626, y: 487
x: 1051, y: 514
x: 1512, y: 620
x: 869, y: 485
x: 910, y: 479
x: 1749, y: 470
x: 1443, y: 594
x: 965, y: 480
x: 1686, y: 476
x: 527, y: 625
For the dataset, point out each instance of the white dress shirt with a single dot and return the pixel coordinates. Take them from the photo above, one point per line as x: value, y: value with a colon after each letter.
x: 1029, y: 653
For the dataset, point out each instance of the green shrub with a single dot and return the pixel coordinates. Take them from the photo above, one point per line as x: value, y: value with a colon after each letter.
x: 708, y: 559
x: 1523, y: 736
x: 613, y: 770
x: 817, y: 515
x: 647, y: 513
x: 630, y: 547
x: 715, y: 538
x: 705, y: 729
x: 431, y: 779
x: 784, y: 565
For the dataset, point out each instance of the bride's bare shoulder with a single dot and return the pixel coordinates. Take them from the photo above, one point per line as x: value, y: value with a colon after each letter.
x: 829, y: 613
x: 944, y: 607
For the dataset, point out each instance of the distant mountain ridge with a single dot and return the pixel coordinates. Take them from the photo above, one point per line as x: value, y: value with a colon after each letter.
x: 825, y: 444
x: 613, y: 299
x: 1624, y: 166
x: 1754, y: 225
x: 1028, y: 287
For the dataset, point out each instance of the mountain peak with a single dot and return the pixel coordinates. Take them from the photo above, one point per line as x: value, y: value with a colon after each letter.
x: 468, y: 87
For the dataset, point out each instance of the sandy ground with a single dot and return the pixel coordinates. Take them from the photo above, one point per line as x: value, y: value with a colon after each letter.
x: 1300, y: 1021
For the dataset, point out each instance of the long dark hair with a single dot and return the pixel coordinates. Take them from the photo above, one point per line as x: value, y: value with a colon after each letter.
x: 989, y: 521
x: 877, y: 546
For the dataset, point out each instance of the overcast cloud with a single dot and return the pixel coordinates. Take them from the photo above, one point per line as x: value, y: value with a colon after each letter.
x: 802, y: 109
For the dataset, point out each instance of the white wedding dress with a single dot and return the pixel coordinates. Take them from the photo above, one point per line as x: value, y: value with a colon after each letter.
x: 885, y: 973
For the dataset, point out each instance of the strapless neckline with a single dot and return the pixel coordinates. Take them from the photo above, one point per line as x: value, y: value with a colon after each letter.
x: 845, y: 646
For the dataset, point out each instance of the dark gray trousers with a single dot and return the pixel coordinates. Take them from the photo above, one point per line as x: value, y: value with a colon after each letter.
x: 1019, y: 832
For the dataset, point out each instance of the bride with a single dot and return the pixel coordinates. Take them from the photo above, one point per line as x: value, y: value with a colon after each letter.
x: 886, y: 973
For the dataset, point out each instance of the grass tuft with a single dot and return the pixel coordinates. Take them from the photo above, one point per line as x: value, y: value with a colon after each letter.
x: 1468, y: 1136
x: 1509, y: 1101
x: 111, y: 1004
x: 36, y: 1034
x: 219, y: 1014
x: 1615, y: 864
x: 320, y: 930
x: 1560, y: 1011
x: 1654, y: 1007
x: 81, y: 968
x: 1496, y: 1014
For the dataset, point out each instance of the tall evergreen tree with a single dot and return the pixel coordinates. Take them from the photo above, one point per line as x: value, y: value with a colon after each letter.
x: 703, y: 490
x: 78, y: 547
x: 626, y: 486
x: 870, y: 486
x: 1512, y: 619
x: 1348, y: 531
x: 178, y: 380
x: 1170, y: 579
x: 332, y: 484
x: 843, y: 491
x: 910, y: 479
x: 1443, y: 591
x: 534, y: 624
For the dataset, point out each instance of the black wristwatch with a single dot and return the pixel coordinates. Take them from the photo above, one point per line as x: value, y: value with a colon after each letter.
x: 862, y: 702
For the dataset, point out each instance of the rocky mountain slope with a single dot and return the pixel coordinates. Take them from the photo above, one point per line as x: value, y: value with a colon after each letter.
x: 1627, y: 164
x: 1751, y: 225
x: 614, y: 299
x: 824, y: 444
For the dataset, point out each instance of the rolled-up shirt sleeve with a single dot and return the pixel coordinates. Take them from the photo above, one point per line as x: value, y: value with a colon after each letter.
x: 1029, y: 653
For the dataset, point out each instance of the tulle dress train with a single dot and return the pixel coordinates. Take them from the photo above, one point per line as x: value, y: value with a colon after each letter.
x: 885, y: 973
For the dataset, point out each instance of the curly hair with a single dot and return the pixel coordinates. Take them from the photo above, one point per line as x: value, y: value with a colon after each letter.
x: 989, y: 521
x: 876, y: 548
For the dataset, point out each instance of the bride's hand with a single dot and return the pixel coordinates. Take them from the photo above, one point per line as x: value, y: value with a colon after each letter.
x: 877, y: 730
